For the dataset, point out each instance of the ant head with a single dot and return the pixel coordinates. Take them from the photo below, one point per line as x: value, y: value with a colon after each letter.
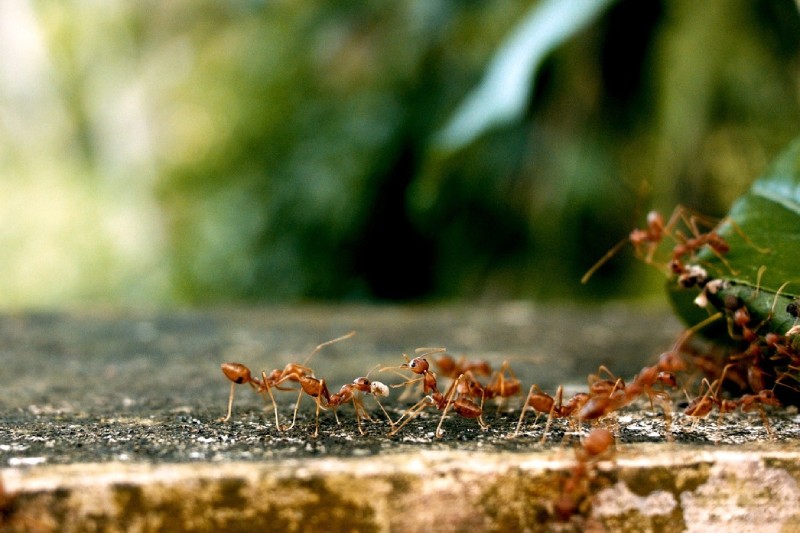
x: 767, y: 397
x: 772, y: 339
x: 668, y: 379
x: 671, y: 362
x: 638, y: 237
x: 418, y: 365
x: 362, y: 384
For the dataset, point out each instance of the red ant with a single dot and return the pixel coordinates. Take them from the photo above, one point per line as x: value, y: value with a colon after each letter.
x: 240, y: 374
x: 541, y: 402
x: 451, y: 368
x: 463, y: 405
x: 608, y: 396
x: 349, y: 393
x: 318, y: 389
x: 647, y: 241
x: 702, y: 406
x: 420, y: 366
x: 503, y: 385
x: 575, y: 490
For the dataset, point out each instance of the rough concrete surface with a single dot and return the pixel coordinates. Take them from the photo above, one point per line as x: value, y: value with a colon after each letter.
x: 111, y: 422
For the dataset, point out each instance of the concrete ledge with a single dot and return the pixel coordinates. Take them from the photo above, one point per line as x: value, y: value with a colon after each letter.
x: 652, y: 487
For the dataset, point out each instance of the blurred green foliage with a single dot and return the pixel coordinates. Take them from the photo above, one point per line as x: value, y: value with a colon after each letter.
x: 285, y: 150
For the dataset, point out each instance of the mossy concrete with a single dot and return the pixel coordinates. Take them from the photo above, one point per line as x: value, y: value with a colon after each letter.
x: 654, y: 487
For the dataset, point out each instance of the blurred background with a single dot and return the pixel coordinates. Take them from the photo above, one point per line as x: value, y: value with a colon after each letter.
x: 212, y: 152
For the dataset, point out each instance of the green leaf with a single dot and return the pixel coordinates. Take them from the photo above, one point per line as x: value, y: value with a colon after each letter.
x: 502, y: 95
x: 761, y: 268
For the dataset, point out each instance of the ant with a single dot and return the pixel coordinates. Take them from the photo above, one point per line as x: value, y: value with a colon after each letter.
x: 574, y: 497
x: 463, y: 405
x: 451, y: 368
x: 541, y: 402
x: 702, y: 406
x: 646, y: 242
x: 608, y: 396
x: 349, y: 393
x: 503, y: 385
x: 239, y: 374
x: 420, y: 366
x: 318, y: 389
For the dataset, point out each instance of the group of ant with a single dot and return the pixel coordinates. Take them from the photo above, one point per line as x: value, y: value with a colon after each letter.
x: 472, y: 383
x: 753, y: 368
x: 767, y: 360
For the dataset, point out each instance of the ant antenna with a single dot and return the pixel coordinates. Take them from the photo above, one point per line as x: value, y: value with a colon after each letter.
x: 694, y: 329
x: 761, y: 270
x: 326, y: 343
x: 777, y: 294
x: 603, y: 260
x: 429, y: 351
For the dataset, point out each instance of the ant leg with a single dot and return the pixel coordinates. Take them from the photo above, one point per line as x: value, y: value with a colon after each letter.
x: 525, y: 406
x: 559, y: 396
x: 230, y: 404
x: 745, y: 238
x: 358, y: 416
x: 447, y: 404
x: 272, y: 397
x: 547, y: 425
x: 666, y: 406
x: 522, y: 414
x: 364, y: 413
x: 481, y: 422
x: 724, y: 261
x: 296, y: 407
x: 409, y: 415
x: 765, y: 421
x: 316, y: 426
x: 389, y: 418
